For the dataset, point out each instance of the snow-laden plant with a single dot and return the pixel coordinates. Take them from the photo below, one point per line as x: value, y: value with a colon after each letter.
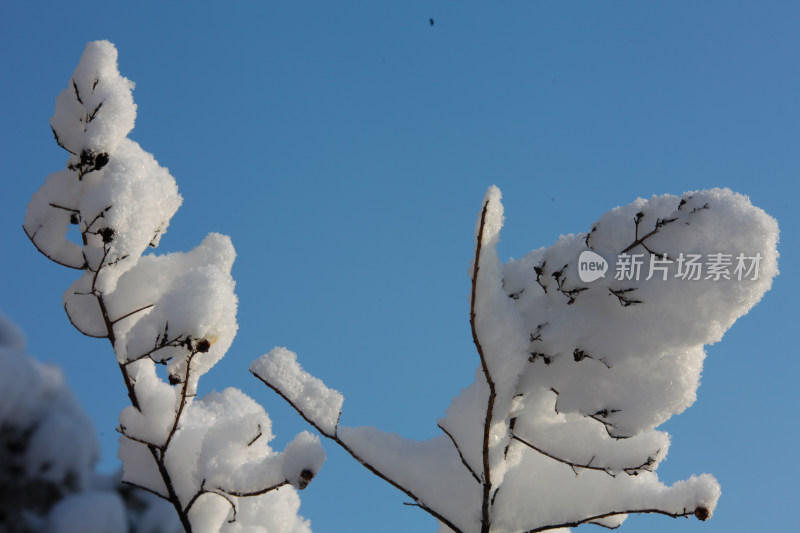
x: 558, y: 428
x: 208, y: 457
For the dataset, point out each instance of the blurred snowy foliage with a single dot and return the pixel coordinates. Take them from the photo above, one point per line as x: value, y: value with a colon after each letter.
x: 48, y: 451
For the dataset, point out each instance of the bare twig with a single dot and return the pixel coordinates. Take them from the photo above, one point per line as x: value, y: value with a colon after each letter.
x: 660, y: 223
x: 458, y: 449
x: 258, y: 492
x: 126, y: 315
x: 632, y: 471
x: 487, y: 474
x: 51, y: 258
x: 624, y: 300
x: 151, y: 491
x: 701, y: 513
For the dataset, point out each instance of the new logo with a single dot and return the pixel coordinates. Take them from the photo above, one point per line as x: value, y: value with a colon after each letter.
x: 591, y: 266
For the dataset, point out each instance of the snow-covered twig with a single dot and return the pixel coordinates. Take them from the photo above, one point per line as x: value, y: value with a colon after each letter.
x: 198, y: 454
x: 530, y: 447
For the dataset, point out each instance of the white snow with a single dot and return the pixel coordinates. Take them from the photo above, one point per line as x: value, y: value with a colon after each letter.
x: 318, y: 403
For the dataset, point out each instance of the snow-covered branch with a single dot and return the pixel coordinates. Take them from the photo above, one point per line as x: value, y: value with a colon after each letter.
x: 584, y: 348
x: 208, y: 457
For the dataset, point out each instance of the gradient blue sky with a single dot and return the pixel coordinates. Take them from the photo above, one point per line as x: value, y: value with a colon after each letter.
x: 346, y: 146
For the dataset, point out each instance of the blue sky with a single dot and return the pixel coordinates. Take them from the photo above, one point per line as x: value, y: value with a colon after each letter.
x: 345, y: 147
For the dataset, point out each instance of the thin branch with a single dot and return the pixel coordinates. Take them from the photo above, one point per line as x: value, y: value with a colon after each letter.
x: 660, y: 223
x: 91, y: 117
x: 58, y: 140
x: 255, y: 492
x: 463, y: 460
x: 608, y: 425
x: 183, y: 401
x: 256, y: 437
x: 487, y: 474
x: 624, y: 300
x: 569, y: 293
x: 157, y: 453
x: 539, y: 273
x: 70, y: 209
x: 51, y: 258
x: 74, y: 325
x: 197, y: 495
x: 122, y: 430
x: 151, y: 491
x: 77, y: 93
x: 171, y: 343
x: 126, y: 315
x: 571, y: 464
x: 233, y: 505
x: 701, y: 513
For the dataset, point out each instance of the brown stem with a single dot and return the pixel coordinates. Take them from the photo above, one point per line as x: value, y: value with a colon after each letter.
x: 487, y: 474
x: 258, y: 492
x: 701, y: 513
x: 51, y: 258
x: 633, y: 470
x: 157, y: 453
x: 458, y: 449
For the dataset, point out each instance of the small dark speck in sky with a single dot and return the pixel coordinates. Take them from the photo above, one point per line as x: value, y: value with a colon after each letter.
x: 430, y: 21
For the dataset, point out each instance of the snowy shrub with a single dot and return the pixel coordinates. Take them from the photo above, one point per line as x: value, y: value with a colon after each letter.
x: 48, y: 450
x: 207, y: 457
x: 584, y: 348
x: 47, y: 442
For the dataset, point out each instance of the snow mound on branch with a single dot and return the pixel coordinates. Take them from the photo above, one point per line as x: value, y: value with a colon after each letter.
x: 320, y: 404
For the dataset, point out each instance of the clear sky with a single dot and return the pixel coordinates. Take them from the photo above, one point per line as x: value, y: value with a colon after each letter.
x: 346, y: 146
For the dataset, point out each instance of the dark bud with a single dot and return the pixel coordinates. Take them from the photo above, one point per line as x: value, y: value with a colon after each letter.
x: 174, y: 380
x: 639, y: 216
x: 702, y: 514
x: 203, y: 346
x: 100, y: 160
x: 305, y: 478
x: 546, y: 358
x: 578, y: 355
x: 107, y: 235
x: 74, y: 219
